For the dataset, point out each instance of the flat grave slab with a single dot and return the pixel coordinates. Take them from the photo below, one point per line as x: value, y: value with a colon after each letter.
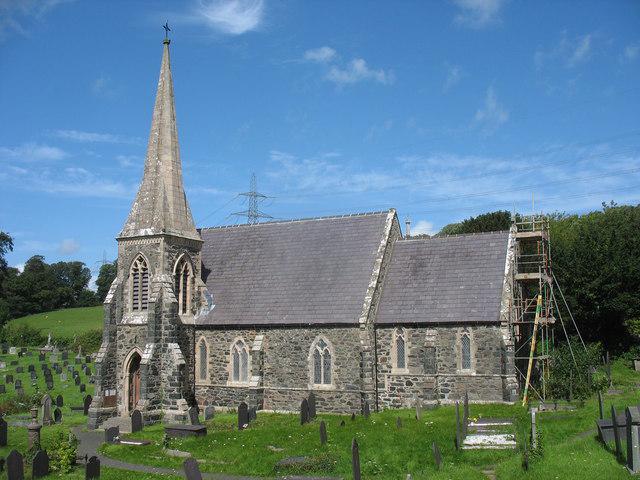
x: 179, y: 431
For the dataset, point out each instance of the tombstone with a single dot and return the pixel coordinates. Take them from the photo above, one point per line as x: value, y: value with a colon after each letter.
x: 53, y: 358
x: 42, y: 357
x: 34, y: 376
x: 253, y: 414
x: 191, y: 469
x: 19, y: 391
x: 18, y: 384
x: 19, y: 369
x: 46, y: 410
x: 418, y: 409
x: 15, y: 466
x: 616, y: 433
x: 465, y: 415
x: 83, y: 388
x: 193, y: 416
x: 323, y: 433
x: 49, y: 384
x: 13, y: 350
x: 65, y: 355
x: 600, y: 406
x: 59, y: 401
x: 40, y: 465
x: 87, y: 371
x: 209, y: 412
x: 243, y: 416
x: 57, y: 415
x: 458, y: 430
x: 534, y: 433
x: 398, y: 422
x: 65, y: 364
x: 87, y: 359
x: 136, y: 421
x: 86, y: 404
x: 3, y: 365
x: 3, y: 432
x: 437, y: 456
x: 77, y: 381
x: 312, y: 406
x: 63, y: 377
x: 14, y: 363
x: 8, y: 378
x: 31, y: 368
x: 355, y: 460
x: 633, y: 440
x: 365, y: 410
x: 92, y: 469
x: 111, y: 433
x: 304, y: 412
x: 353, y: 417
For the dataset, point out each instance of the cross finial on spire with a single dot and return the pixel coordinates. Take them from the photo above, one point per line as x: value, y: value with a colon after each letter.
x: 166, y: 31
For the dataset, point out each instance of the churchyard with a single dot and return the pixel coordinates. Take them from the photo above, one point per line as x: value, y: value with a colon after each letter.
x: 391, y: 444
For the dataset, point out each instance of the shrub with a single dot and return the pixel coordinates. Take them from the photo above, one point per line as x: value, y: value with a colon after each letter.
x: 90, y: 341
x: 62, y: 453
x: 22, y: 335
x: 579, y: 381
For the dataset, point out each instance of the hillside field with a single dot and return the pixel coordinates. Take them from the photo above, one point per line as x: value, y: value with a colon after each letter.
x: 64, y: 323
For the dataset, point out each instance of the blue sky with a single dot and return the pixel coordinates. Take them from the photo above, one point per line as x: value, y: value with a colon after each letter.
x: 442, y: 110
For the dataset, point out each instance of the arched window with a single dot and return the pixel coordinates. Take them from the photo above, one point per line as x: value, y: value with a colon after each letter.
x: 239, y: 362
x: 202, y: 359
x: 321, y: 357
x: 400, y: 350
x: 182, y: 284
x: 139, y: 284
x: 465, y: 347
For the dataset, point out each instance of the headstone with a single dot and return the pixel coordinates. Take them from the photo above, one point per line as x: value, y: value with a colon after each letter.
x: 42, y: 357
x: 398, y: 422
x: 92, y: 469
x: 3, y: 365
x: 34, y: 428
x: 53, y: 358
x: 14, y: 363
x: 304, y: 412
x: 418, y: 409
x: 3, y: 432
x: 312, y: 406
x: 15, y: 467
x: 46, y: 410
x: 534, y: 433
x: 83, y: 388
x: 18, y: 384
x: 365, y: 410
x: 59, y: 401
x: 86, y: 404
x: 31, y: 368
x: 49, y: 384
x: 136, y: 421
x: 193, y: 416
x: 19, y: 369
x: 355, y: 460
x: 77, y: 380
x: 437, y: 456
x: 633, y: 440
x: 353, y: 417
x: 65, y: 355
x: 34, y: 376
x: 8, y: 378
x: 616, y: 433
x: 13, y: 350
x: 191, y: 469
x: 253, y: 414
x: 465, y: 416
x: 111, y: 433
x: 3, y: 389
x: 87, y: 371
x: 458, y: 430
x: 323, y: 433
x: 19, y: 391
x: 57, y: 415
x: 40, y: 465
x: 87, y: 359
x: 63, y: 377
x: 209, y: 412
x: 600, y: 406
x: 243, y: 416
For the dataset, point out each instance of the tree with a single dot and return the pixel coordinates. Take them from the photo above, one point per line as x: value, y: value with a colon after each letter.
x: 487, y: 222
x: 106, y: 276
x: 6, y: 245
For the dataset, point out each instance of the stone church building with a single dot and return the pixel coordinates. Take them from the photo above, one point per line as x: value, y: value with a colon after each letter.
x: 342, y: 306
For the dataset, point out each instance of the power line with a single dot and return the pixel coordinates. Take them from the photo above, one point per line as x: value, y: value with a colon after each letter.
x: 254, y: 197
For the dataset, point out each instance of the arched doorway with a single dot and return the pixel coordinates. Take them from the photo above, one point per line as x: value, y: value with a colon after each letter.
x: 133, y: 381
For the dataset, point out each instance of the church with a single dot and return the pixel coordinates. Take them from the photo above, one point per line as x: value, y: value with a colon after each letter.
x: 342, y: 306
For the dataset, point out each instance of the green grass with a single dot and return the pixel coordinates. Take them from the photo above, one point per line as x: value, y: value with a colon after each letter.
x: 64, y: 323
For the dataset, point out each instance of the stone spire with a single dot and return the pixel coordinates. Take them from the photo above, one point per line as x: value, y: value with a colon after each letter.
x: 161, y: 205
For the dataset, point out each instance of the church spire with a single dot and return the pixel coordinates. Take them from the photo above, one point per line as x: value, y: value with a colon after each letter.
x: 161, y: 204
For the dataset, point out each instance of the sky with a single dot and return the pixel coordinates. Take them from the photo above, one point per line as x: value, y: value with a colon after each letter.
x: 442, y: 110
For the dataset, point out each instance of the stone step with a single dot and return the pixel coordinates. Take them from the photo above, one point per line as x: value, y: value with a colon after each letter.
x: 495, y: 441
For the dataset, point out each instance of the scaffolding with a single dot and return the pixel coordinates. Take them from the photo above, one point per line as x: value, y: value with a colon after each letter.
x: 534, y: 303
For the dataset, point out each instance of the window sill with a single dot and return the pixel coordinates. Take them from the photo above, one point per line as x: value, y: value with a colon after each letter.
x: 399, y: 371
x: 238, y: 384
x: 322, y: 386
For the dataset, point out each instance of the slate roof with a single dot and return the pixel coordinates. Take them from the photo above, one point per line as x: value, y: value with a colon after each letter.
x: 445, y: 280
x: 313, y: 271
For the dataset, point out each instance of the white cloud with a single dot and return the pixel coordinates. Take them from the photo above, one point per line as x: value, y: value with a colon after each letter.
x: 631, y: 52
x: 15, y: 15
x: 128, y: 160
x: 356, y: 71
x: 231, y: 16
x: 454, y: 75
x: 492, y: 114
x: 93, y: 137
x: 31, y: 152
x: 478, y: 13
x: 569, y: 52
x: 581, y: 51
x: 68, y: 246
x: 20, y: 267
x: 423, y: 227
x: 320, y: 55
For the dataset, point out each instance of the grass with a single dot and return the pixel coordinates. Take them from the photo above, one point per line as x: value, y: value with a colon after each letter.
x: 64, y: 323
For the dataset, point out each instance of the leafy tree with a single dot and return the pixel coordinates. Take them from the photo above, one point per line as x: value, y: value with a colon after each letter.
x: 6, y: 245
x: 487, y: 222
x: 106, y: 276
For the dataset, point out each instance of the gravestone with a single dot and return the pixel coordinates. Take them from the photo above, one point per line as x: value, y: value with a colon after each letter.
x: 355, y: 460
x: 8, y: 378
x: 633, y: 440
x: 87, y: 371
x: 600, y: 406
x: 3, y: 432
x: 304, y: 412
x: 57, y: 415
x: 312, y: 406
x: 418, y: 409
x: 18, y: 384
x: 193, y: 416
x: 63, y: 377
x: 53, y: 358
x: 465, y: 416
x: 59, y: 401
x: 366, y: 410
x: 398, y: 422
x: 40, y: 465
x: 65, y: 355
x: 86, y: 404
x: 77, y: 380
x: 46, y: 410
x: 243, y: 416
x: 87, y: 359
x: 14, y: 363
x: 534, y: 433
x: 34, y: 376
x: 191, y: 469
x: 49, y: 384
x: 3, y: 389
x: 13, y: 350
x: 323, y: 433
x: 342, y: 423
x: 136, y: 421
x: 437, y: 456
x: 209, y: 412
x: 111, y: 433
x: 42, y: 357
x: 458, y: 431
x: 616, y: 433
x: 353, y: 417
x: 253, y: 414
x: 31, y: 368
x: 19, y: 369
x: 20, y: 391
x: 83, y: 388
x: 92, y: 469
x: 3, y: 365
x: 15, y: 466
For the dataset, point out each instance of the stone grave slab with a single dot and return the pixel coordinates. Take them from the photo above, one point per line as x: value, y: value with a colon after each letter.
x: 3, y: 389
x: 243, y: 416
x: 57, y: 415
x: 59, y: 401
x: 209, y: 412
x: 86, y: 404
x: 136, y: 421
x: 193, y: 415
x: 180, y: 431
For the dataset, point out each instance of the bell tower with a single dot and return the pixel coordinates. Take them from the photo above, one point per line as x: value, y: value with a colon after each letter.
x: 145, y: 361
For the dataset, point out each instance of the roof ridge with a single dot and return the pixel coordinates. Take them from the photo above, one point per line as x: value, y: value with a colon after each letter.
x: 457, y: 235
x: 294, y: 220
